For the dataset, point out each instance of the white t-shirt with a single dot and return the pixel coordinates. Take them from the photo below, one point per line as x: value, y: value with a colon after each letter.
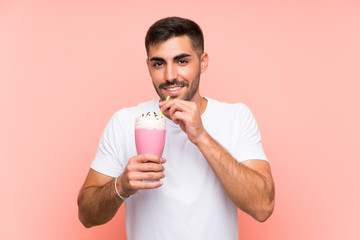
x: 191, y: 204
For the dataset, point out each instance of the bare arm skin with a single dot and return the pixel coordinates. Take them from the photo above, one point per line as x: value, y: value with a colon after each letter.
x: 249, y: 184
x: 98, y: 201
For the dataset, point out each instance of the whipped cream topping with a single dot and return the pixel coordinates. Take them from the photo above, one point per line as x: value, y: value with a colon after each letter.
x: 150, y: 120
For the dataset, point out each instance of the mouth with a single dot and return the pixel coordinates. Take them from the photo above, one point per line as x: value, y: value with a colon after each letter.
x: 173, y: 90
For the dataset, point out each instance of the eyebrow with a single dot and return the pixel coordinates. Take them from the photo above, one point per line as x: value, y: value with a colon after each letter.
x: 157, y: 59
x: 181, y: 56
x: 175, y: 58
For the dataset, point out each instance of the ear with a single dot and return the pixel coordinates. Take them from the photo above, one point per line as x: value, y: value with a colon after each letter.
x: 204, y: 61
x: 148, y: 64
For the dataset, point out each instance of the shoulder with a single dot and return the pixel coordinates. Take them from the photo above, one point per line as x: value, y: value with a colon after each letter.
x: 228, y: 108
x: 232, y: 114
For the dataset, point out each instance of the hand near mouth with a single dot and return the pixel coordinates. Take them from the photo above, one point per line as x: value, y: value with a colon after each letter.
x: 187, y: 115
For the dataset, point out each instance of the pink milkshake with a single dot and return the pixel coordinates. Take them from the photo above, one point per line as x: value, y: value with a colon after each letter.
x: 150, y: 134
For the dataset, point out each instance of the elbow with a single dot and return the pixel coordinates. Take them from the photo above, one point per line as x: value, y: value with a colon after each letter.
x: 263, y: 216
x: 86, y: 225
x: 82, y: 212
x: 264, y: 212
x: 83, y: 215
x: 265, y: 207
x: 83, y: 220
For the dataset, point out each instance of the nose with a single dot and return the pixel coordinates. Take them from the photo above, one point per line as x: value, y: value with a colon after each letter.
x: 170, y: 73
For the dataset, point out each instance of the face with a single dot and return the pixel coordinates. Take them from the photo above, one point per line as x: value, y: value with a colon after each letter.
x: 175, y: 68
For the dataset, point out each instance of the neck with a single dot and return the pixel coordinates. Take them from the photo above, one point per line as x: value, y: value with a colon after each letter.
x: 203, y: 105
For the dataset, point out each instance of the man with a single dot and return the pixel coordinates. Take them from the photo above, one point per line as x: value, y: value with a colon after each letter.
x: 213, y: 161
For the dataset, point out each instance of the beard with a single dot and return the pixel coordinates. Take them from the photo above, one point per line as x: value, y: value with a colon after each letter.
x: 188, y: 95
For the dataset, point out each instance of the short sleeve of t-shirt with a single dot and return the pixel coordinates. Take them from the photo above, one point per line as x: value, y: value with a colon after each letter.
x: 109, y: 155
x: 248, y: 139
x: 234, y: 127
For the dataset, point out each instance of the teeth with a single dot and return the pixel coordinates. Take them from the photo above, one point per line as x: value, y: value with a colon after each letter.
x: 173, y: 89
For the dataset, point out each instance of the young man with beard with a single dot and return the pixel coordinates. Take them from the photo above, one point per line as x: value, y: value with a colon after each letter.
x: 213, y: 161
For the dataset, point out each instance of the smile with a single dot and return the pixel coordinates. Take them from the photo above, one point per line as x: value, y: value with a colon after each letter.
x: 173, y: 88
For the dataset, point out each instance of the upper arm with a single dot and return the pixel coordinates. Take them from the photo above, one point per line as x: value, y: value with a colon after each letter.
x: 95, y: 178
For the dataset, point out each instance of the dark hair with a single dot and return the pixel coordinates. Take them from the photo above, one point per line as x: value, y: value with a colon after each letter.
x: 169, y: 27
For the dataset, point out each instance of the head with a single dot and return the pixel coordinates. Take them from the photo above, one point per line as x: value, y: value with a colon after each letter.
x: 176, y: 57
x: 170, y: 27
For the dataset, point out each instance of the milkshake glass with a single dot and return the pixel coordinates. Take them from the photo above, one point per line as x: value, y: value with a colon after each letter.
x: 150, y: 134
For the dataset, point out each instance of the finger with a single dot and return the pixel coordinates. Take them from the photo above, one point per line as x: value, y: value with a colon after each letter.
x: 146, y: 185
x: 152, y: 175
x: 144, y: 176
x: 165, y: 105
x: 147, y: 157
x: 178, y: 107
x: 162, y: 103
x: 178, y: 117
x: 151, y: 167
x: 143, y: 165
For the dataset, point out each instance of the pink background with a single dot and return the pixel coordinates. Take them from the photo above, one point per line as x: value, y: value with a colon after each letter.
x: 67, y: 66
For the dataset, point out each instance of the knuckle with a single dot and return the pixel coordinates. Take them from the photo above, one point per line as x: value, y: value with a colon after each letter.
x: 132, y: 184
x: 130, y: 163
x: 130, y: 168
x: 148, y: 156
x: 175, y: 115
x: 131, y: 176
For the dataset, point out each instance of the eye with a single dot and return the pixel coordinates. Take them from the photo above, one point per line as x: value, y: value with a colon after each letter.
x: 157, y: 64
x: 183, y: 61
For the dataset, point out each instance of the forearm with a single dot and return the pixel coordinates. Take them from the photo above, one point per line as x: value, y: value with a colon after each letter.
x: 250, y: 190
x: 98, y: 204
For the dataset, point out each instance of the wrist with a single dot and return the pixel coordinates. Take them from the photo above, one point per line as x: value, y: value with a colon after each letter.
x: 118, y: 191
x: 202, y: 139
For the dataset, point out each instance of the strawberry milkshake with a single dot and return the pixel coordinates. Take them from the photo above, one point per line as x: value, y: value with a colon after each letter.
x: 150, y: 134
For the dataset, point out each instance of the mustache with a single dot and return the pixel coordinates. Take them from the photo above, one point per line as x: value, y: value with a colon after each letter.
x: 173, y: 83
